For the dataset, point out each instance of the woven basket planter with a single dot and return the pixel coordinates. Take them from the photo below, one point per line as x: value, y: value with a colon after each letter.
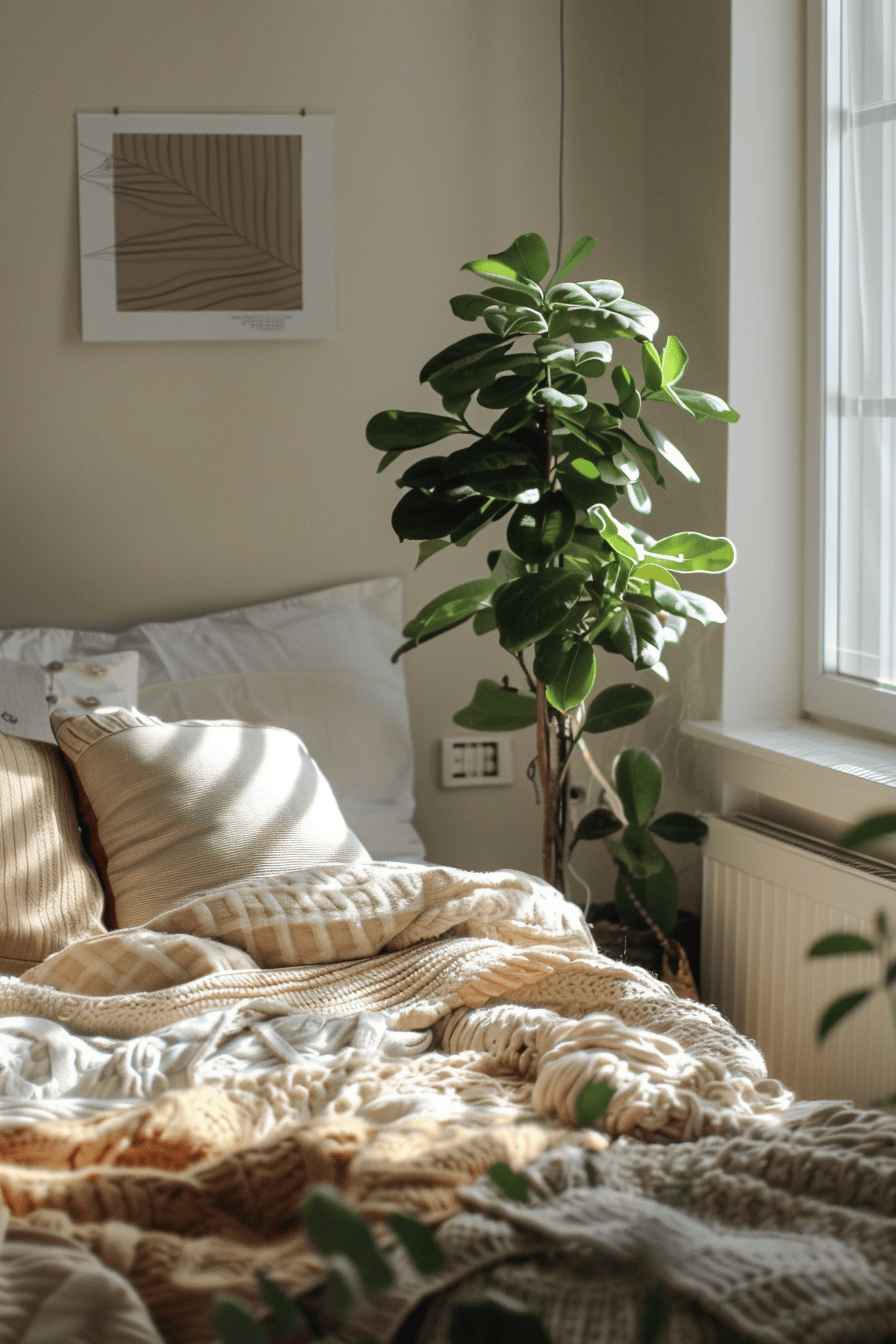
x: 638, y: 947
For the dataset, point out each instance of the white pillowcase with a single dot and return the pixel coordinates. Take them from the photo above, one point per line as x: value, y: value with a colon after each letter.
x: 29, y: 691
x: 317, y: 664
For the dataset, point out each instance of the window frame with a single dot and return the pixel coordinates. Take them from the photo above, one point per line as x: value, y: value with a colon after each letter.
x: 827, y: 694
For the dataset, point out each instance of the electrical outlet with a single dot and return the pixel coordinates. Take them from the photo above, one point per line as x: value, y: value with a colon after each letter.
x: 476, y: 762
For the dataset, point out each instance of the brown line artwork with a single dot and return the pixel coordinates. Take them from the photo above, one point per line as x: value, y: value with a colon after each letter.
x: 205, y: 224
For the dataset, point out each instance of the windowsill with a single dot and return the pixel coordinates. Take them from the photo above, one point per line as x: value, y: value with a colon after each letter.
x: 816, y: 778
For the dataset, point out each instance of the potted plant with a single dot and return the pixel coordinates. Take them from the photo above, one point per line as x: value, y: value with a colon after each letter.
x: 553, y: 466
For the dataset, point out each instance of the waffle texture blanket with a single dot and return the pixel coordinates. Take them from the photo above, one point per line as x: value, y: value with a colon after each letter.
x: 170, y: 1093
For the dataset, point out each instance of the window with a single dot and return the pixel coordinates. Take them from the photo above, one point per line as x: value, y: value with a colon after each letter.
x: 852, y: 657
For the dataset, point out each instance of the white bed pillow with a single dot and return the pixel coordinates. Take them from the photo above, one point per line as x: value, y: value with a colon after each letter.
x: 317, y: 664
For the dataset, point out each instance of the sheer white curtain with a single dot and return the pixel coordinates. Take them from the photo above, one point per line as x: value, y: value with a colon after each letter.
x: 862, y: 642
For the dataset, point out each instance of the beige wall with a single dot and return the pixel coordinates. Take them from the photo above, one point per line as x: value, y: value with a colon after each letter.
x: 156, y: 480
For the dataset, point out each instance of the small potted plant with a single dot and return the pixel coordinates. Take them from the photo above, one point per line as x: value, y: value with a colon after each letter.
x: 552, y: 467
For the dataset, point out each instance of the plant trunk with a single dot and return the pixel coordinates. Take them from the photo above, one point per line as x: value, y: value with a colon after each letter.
x: 553, y: 749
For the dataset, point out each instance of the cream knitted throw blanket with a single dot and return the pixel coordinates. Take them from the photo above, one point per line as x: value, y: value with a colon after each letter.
x: 189, y: 1193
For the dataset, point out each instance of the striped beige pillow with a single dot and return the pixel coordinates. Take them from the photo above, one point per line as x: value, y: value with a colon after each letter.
x: 174, y: 809
x: 50, y: 894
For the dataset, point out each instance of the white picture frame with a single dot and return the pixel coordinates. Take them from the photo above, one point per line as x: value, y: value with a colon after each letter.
x: 190, y: 230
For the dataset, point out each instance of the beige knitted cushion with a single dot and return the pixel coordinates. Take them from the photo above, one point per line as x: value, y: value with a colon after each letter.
x: 50, y: 894
x: 178, y: 808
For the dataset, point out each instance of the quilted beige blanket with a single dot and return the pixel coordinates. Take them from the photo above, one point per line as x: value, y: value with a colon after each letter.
x: 393, y: 1031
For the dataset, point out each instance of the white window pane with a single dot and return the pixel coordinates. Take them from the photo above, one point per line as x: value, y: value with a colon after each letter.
x: 865, y: 636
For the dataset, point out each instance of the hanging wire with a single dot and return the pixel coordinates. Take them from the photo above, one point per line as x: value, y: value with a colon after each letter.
x: 562, y: 122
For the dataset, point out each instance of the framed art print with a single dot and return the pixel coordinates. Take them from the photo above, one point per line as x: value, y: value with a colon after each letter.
x: 206, y: 227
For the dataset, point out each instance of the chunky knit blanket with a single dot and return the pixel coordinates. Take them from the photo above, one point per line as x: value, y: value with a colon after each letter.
x: 171, y: 1092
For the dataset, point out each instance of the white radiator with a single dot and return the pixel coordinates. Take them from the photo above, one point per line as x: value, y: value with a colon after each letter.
x: 768, y: 894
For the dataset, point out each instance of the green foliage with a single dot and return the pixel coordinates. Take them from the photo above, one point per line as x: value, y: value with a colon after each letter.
x: 869, y: 830
x: 553, y: 465
x: 882, y: 943
x: 509, y: 1182
x: 357, y: 1266
x: 549, y: 419
x: 592, y: 1103
x: 419, y: 1242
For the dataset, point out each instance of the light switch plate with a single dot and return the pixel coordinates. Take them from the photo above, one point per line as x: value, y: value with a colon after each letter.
x: 476, y: 762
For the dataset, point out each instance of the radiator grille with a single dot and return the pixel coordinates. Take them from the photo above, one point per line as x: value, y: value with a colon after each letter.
x: 768, y: 894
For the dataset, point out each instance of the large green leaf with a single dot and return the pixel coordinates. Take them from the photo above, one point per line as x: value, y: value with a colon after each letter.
x: 571, y: 293
x: 692, y: 606
x: 666, y: 448
x: 617, y: 534
x: 638, y: 852
x: 587, y: 358
x: 527, y: 255
x: 509, y: 483
x: 421, y: 517
x: 596, y: 825
x: 679, y: 828
x: 574, y: 257
x: 650, y: 570
x: 838, y: 1009
x: 423, y: 475
x: 590, y: 324
x: 538, y: 531
x: 515, y: 298
x: 419, y: 1242
x: 605, y: 291
x: 235, y: 1324
x: 692, y: 552
x: 469, y: 306
x: 509, y: 1182
x: 450, y: 608
x: 628, y: 394
x: 639, y: 781
x: 618, y: 635
x: 534, y: 605
x: 507, y: 276
x: 616, y: 707
x: 869, y: 830
x: 657, y: 893
x: 495, y: 710
x: 652, y: 367
x: 707, y: 404
x: 573, y: 679
x: 643, y: 323
x: 428, y: 549
x: 459, y: 354
x: 837, y: 944
x: 486, y: 454
x: 467, y: 378
x: 581, y: 483
x: 675, y: 359
x: 506, y: 390
x: 335, y: 1228
x: 592, y: 1102
x: 644, y: 455
x: 288, y: 1315
x: 649, y: 635
x: 397, y: 431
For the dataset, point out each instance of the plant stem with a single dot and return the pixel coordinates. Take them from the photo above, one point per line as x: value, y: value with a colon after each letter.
x: 543, y: 741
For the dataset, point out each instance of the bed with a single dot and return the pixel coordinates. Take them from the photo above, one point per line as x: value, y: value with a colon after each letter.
x: 229, y: 975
